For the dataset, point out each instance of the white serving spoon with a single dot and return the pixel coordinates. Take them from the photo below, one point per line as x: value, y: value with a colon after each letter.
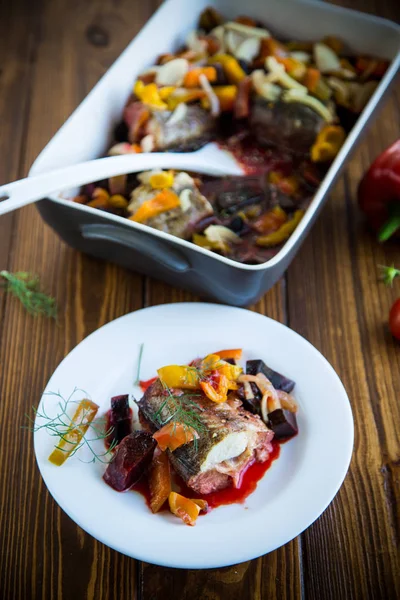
x: 210, y: 159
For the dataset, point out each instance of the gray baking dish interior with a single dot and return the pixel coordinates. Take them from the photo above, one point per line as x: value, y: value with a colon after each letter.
x: 183, y: 264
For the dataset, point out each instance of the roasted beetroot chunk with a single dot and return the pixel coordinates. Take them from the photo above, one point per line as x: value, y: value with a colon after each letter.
x: 280, y: 382
x: 132, y: 457
x: 120, y: 419
x: 283, y: 423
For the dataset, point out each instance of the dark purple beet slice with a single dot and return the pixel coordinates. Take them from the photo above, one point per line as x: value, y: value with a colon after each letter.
x: 280, y: 382
x: 283, y: 423
x: 132, y: 457
x: 253, y: 404
x: 120, y: 419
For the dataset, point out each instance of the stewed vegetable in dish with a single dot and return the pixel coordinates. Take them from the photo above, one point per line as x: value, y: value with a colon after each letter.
x: 245, y: 218
x: 205, y: 434
x: 283, y: 108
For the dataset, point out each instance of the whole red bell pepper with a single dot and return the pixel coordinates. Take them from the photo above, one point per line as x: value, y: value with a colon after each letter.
x: 379, y: 193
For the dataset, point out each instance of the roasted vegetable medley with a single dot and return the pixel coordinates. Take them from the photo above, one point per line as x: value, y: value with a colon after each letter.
x: 300, y: 96
x: 245, y: 218
x: 283, y: 108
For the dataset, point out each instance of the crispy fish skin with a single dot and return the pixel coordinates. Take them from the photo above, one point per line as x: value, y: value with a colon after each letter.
x: 232, y: 438
x: 289, y: 126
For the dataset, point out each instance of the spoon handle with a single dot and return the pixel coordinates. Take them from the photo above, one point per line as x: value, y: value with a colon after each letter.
x: 31, y: 189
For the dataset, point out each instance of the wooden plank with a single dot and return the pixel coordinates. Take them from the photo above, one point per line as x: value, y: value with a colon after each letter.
x: 17, y: 44
x: 44, y: 554
x: 352, y: 551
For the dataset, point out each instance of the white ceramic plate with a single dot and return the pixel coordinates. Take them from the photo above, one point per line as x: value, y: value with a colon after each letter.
x: 292, y: 494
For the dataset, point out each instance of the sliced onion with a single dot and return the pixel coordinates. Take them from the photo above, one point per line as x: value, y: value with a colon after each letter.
x: 184, y: 199
x: 214, y: 102
x: 277, y: 74
x: 173, y: 72
x: 147, y: 144
x: 266, y: 89
x: 219, y: 233
x: 247, y: 30
x: 193, y: 42
x: 304, y: 57
x: 179, y: 113
x: 307, y: 100
x: 287, y: 401
x: 326, y: 59
x: 233, y: 41
x: 249, y: 49
x: 270, y: 399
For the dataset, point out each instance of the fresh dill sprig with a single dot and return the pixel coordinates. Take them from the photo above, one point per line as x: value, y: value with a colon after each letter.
x: 137, y: 381
x: 62, y: 424
x: 181, y: 409
x: 25, y: 287
x: 389, y: 274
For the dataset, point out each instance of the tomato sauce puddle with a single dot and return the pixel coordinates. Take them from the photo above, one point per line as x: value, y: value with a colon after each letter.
x: 250, y: 478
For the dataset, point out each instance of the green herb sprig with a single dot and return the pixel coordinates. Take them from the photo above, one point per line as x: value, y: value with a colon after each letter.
x: 389, y: 274
x: 60, y: 425
x: 137, y: 380
x: 25, y: 287
x: 181, y: 409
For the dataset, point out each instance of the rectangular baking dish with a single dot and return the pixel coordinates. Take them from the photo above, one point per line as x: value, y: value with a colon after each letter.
x: 87, y: 135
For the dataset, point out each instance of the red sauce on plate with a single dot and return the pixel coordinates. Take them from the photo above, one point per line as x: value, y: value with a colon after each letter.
x: 250, y: 478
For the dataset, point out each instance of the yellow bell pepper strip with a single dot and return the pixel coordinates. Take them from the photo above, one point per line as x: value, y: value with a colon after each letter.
x: 183, y: 508
x: 192, y: 77
x: 84, y: 415
x: 283, y: 233
x: 166, y: 91
x: 183, y: 95
x: 165, y: 179
x: 118, y: 201
x: 271, y: 220
x: 159, y: 481
x: 100, y: 198
x: 174, y: 435
x: 328, y: 143
x: 163, y: 201
x: 179, y: 377
x: 210, y: 370
x: 213, y: 362
x: 149, y: 95
x: 234, y: 354
x: 226, y: 95
x: 230, y: 65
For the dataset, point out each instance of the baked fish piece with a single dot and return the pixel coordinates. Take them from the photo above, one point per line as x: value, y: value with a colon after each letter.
x: 229, y: 441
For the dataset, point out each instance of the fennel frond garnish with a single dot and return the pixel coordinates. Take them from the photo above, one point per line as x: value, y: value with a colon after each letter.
x: 71, y: 431
x: 181, y: 409
x: 25, y: 287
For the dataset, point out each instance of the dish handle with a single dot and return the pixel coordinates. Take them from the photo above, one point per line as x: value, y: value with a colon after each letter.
x: 151, y: 247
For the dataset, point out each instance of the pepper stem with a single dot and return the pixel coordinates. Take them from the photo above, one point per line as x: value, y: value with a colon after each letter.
x: 391, y: 225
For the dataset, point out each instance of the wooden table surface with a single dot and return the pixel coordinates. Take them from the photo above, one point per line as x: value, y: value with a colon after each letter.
x: 51, y: 55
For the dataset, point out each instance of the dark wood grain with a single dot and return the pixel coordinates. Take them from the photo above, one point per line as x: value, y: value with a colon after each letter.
x: 51, y: 55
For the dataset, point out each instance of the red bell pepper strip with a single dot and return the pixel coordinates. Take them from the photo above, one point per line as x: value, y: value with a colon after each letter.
x: 379, y: 193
